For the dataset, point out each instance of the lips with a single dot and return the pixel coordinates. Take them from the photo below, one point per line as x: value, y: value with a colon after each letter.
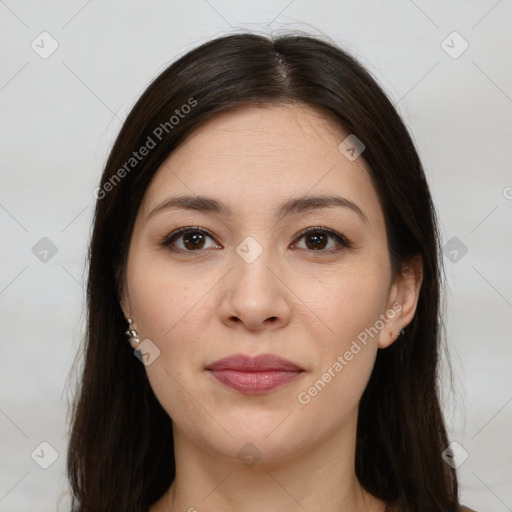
x: 253, y: 375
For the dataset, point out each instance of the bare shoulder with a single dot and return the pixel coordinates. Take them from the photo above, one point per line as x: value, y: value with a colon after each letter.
x: 462, y: 508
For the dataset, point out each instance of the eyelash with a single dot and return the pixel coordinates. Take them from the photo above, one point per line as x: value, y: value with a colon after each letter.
x: 342, y: 240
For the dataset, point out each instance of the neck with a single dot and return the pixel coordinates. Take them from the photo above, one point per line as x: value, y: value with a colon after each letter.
x: 321, y: 478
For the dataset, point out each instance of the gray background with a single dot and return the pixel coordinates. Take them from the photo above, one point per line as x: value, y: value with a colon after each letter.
x: 61, y: 113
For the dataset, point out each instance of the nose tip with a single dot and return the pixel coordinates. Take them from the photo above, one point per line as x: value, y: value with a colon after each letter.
x: 253, y: 296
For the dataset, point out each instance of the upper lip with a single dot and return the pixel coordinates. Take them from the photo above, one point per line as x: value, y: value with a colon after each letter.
x: 260, y: 363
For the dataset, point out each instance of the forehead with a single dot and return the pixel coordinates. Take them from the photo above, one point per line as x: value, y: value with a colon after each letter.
x: 260, y: 155
x: 248, y: 131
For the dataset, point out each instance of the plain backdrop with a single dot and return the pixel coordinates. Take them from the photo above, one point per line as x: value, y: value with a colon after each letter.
x: 71, y: 71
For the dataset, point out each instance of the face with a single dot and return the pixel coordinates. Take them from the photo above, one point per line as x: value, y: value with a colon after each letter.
x: 238, y: 275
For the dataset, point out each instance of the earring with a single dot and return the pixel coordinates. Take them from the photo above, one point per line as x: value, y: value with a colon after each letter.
x: 133, y: 337
x: 401, y: 333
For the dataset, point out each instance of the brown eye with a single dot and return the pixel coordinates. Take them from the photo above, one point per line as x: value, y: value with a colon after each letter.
x: 317, y: 239
x: 193, y: 241
x: 188, y: 240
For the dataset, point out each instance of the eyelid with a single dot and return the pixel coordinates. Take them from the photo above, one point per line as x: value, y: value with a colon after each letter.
x: 166, y: 241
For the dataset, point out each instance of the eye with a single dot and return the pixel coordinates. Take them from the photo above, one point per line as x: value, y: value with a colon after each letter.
x: 191, y: 239
x: 317, y: 239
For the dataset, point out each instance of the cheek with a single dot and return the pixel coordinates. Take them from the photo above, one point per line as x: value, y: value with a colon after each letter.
x: 334, y: 393
x: 346, y: 344
x: 164, y: 299
x: 169, y: 312
x: 346, y: 302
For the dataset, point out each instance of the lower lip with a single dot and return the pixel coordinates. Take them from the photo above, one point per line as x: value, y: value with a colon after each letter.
x: 254, y: 382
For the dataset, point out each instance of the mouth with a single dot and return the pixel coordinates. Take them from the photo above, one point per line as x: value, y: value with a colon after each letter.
x: 254, y: 375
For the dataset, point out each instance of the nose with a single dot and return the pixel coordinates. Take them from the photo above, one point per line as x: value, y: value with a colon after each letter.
x: 255, y: 295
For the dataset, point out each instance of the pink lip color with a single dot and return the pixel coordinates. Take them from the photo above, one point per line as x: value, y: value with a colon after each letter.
x: 252, y: 375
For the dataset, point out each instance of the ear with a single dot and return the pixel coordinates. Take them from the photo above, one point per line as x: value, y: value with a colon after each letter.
x: 402, y: 300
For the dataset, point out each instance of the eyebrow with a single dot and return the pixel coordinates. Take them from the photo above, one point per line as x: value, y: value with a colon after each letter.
x: 303, y: 204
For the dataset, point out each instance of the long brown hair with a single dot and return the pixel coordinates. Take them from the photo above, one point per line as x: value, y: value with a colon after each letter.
x: 120, y: 454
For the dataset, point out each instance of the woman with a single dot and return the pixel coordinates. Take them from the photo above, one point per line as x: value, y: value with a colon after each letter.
x: 265, y: 235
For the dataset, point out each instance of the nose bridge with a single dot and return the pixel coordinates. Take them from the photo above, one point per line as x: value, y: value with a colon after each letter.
x: 252, y: 260
x: 250, y: 250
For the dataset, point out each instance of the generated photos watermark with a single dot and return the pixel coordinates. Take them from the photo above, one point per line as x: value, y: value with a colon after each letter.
x: 304, y: 397
x: 151, y: 142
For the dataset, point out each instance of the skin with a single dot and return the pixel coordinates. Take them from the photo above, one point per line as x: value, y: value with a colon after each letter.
x: 302, y: 304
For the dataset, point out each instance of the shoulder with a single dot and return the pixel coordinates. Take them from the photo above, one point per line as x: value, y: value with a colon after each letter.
x: 462, y: 508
